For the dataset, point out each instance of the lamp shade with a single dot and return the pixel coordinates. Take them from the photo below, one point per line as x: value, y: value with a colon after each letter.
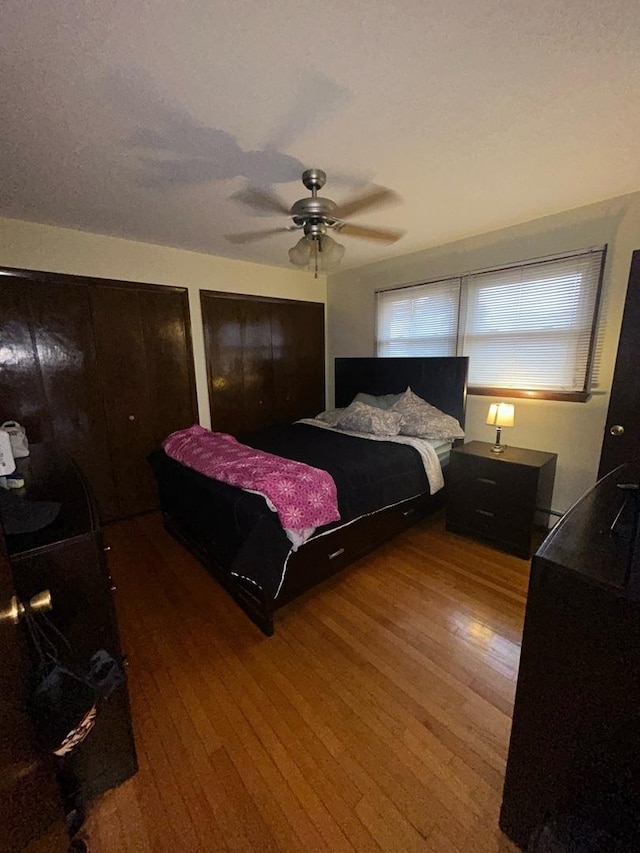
x: 300, y: 254
x: 330, y: 252
x: 324, y: 251
x: 501, y: 414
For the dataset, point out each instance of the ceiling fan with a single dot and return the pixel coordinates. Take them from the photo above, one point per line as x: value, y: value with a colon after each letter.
x: 316, y: 216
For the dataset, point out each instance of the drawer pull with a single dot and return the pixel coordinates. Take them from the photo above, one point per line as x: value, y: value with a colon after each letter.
x: 113, y: 587
x: 485, y: 512
x: 336, y: 553
x: 487, y: 481
x: 409, y: 512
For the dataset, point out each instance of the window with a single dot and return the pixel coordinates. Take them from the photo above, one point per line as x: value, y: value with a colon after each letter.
x: 527, y: 329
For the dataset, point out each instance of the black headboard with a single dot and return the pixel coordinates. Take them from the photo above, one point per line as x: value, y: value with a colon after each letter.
x: 440, y: 381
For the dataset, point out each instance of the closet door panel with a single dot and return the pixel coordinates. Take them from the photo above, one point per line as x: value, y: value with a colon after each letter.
x: 258, y: 389
x: 66, y: 353
x: 223, y: 321
x: 298, y: 347
x: 312, y: 386
x: 239, y: 362
x: 22, y: 395
x: 124, y: 379
x: 265, y: 360
x: 167, y: 341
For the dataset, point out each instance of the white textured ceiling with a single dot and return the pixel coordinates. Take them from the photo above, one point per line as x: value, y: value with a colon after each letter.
x: 142, y: 119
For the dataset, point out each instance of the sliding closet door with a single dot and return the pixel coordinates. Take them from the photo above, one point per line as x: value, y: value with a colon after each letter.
x: 62, y: 329
x: 239, y: 362
x: 223, y: 321
x: 48, y: 375
x: 167, y: 339
x: 22, y: 395
x: 258, y: 401
x: 297, y: 330
x: 265, y: 360
x: 104, y: 370
x: 122, y: 373
x: 144, y: 368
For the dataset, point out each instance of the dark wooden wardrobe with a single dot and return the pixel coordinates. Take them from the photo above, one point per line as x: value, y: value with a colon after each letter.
x: 103, y: 370
x: 265, y: 360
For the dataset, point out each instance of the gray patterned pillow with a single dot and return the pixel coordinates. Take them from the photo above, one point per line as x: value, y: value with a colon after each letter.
x: 423, y: 420
x: 358, y: 417
x: 330, y: 416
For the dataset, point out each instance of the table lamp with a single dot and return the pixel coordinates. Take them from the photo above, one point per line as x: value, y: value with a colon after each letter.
x: 500, y: 415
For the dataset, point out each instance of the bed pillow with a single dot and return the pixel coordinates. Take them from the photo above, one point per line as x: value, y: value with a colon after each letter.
x: 358, y: 417
x: 384, y: 401
x: 423, y: 420
x: 330, y: 416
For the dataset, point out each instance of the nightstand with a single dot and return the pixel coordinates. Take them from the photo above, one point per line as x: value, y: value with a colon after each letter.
x: 500, y: 497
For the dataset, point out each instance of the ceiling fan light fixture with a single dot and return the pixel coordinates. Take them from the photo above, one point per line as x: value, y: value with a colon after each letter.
x: 322, y: 253
x: 300, y: 254
x: 331, y: 252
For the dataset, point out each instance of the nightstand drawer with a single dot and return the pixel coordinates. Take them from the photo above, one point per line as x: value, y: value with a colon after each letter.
x: 482, y: 513
x: 486, y: 480
x: 509, y: 530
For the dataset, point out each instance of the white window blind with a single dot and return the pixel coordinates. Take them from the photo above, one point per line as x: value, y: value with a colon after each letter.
x: 528, y: 327
x: 420, y: 320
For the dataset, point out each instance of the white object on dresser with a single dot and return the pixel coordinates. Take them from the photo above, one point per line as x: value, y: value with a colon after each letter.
x: 7, y: 463
x: 18, y: 437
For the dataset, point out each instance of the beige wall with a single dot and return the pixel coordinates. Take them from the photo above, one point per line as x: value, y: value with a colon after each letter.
x: 572, y: 430
x: 42, y: 247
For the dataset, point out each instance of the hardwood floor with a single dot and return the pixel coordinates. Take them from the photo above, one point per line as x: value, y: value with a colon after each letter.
x: 376, y: 719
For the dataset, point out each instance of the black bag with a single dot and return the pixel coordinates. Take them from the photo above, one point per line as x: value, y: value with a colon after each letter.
x: 64, y: 704
x: 64, y: 708
x: 104, y: 674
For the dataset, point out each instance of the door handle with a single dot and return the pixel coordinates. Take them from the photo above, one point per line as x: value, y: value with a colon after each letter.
x: 617, y: 429
x: 40, y: 603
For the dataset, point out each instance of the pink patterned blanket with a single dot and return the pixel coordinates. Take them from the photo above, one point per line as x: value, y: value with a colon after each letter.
x: 304, y: 497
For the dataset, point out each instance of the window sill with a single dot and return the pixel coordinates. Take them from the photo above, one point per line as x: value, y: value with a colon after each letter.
x: 560, y: 396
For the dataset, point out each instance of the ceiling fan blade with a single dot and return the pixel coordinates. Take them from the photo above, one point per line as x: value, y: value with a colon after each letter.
x: 374, y: 197
x: 250, y: 236
x: 382, y: 235
x: 261, y: 200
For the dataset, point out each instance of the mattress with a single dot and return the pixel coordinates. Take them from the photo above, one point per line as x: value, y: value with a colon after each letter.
x: 245, y: 535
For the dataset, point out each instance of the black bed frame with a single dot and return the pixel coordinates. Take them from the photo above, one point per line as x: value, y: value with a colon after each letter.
x: 441, y: 381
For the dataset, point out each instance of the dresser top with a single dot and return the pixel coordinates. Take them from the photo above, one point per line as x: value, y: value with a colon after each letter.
x: 52, y: 476
x: 595, y: 537
x: 511, y: 455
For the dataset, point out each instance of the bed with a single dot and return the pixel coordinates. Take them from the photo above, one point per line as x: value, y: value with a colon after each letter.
x: 382, y: 489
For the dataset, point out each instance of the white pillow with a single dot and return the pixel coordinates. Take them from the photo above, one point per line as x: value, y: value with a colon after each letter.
x: 423, y: 420
x: 358, y: 417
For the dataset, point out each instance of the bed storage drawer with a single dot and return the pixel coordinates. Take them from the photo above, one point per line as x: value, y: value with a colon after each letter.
x: 326, y: 555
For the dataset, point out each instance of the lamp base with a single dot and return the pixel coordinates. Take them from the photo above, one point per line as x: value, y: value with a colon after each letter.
x: 497, y: 447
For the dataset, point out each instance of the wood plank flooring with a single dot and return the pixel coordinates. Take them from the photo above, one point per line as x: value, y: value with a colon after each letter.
x: 376, y: 719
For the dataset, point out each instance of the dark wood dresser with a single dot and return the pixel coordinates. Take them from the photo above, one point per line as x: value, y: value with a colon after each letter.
x: 575, y: 741
x: 68, y: 558
x: 500, y: 497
